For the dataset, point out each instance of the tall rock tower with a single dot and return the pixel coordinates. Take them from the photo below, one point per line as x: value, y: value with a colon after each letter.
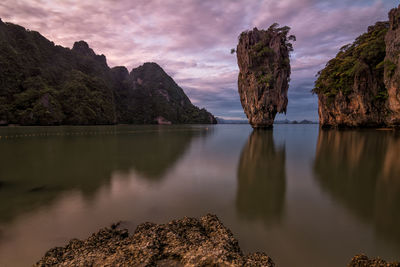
x: 263, y: 59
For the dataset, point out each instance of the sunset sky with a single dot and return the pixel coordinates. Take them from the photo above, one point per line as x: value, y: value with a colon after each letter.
x: 191, y: 39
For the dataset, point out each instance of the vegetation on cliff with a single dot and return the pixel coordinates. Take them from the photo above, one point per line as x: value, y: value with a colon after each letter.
x: 261, y: 51
x: 366, y: 53
x: 357, y: 88
x: 45, y: 84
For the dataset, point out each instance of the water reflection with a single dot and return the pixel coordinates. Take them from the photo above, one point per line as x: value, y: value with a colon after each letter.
x: 361, y: 170
x: 261, y: 178
x: 34, y: 170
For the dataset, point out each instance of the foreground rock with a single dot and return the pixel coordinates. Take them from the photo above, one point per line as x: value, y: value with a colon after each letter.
x: 364, y: 261
x: 186, y: 242
x: 263, y: 58
x: 360, y: 86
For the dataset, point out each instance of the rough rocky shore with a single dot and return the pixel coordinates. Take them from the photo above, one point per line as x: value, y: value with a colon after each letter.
x: 186, y: 242
x: 364, y: 261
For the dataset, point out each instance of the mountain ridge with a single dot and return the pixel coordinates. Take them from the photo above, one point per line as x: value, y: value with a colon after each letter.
x: 46, y: 84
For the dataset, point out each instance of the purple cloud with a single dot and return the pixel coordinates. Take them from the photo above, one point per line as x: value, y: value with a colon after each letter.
x: 191, y: 39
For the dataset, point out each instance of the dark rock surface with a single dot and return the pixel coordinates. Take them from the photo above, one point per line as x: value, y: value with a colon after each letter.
x: 364, y: 261
x: 45, y: 84
x: 264, y: 64
x: 186, y: 242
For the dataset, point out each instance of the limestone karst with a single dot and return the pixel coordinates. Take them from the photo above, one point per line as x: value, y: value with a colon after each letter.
x: 360, y: 86
x: 263, y: 82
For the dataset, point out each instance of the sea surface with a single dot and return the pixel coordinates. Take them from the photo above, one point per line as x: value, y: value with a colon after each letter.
x: 304, y: 196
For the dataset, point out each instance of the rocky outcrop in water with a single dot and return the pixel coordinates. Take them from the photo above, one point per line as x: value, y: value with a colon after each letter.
x: 186, y: 242
x: 360, y: 86
x: 264, y: 64
x: 46, y: 84
x: 364, y: 261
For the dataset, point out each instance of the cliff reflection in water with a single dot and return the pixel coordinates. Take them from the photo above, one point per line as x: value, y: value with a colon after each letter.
x: 261, y: 178
x: 361, y: 170
x: 35, y: 170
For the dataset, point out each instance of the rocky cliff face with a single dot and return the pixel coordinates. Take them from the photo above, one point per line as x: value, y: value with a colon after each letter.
x: 263, y: 58
x: 45, y: 84
x: 186, y: 242
x: 360, y: 86
x: 392, y: 72
x: 351, y: 91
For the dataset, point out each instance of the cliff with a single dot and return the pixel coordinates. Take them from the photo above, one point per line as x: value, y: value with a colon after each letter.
x: 264, y: 64
x: 392, y: 72
x: 186, y: 242
x: 359, y: 87
x: 45, y: 84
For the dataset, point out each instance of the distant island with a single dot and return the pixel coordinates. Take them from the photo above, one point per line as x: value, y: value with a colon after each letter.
x: 232, y: 121
x: 295, y: 122
x: 46, y: 84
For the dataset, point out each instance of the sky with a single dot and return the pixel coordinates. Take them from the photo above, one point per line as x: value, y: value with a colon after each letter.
x: 192, y: 39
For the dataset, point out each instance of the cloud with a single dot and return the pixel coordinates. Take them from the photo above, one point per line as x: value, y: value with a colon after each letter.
x: 191, y: 39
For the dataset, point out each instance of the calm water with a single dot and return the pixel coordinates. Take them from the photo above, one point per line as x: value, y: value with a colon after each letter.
x: 305, y: 197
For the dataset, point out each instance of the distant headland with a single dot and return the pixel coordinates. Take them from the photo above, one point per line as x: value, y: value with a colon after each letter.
x: 46, y: 84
